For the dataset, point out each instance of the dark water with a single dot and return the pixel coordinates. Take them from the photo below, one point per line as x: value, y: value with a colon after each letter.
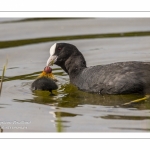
x: 26, y: 43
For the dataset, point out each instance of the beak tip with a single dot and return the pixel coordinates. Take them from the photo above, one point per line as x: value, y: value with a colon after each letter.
x: 51, y: 60
x: 48, y: 62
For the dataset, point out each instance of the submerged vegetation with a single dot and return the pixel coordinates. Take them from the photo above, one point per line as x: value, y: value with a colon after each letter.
x: 15, y: 43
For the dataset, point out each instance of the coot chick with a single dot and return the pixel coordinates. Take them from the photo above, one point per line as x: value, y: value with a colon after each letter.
x: 116, y: 78
x: 46, y: 81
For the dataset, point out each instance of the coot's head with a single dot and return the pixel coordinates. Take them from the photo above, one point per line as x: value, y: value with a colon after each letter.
x: 60, y: 52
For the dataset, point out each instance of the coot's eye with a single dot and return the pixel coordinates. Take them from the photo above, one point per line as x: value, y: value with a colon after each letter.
x: 59, y: 48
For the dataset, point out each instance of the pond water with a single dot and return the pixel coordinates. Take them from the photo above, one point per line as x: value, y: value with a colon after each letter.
x: 26, y: 42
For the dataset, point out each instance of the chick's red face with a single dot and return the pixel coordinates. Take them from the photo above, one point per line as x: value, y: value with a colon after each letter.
x: 48, y: 69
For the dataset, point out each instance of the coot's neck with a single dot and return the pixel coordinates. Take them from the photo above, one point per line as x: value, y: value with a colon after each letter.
x: 75, y: 64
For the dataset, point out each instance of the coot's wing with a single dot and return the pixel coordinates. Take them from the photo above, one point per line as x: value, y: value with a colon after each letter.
x: 116, y: 78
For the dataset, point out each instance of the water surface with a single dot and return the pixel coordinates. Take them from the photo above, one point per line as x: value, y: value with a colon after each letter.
x: 102, y: 41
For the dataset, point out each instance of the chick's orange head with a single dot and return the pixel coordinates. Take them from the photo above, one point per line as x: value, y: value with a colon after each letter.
x: 47, y: 72
x: 48, y: 69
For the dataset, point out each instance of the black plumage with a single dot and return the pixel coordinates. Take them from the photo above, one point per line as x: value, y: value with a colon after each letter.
x: 45, y: 81
x: 45, y: 84
x: 115, y: 78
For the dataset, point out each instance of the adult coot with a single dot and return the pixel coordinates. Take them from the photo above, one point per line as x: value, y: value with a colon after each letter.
x: 45, y: 81
x: 115, y: 78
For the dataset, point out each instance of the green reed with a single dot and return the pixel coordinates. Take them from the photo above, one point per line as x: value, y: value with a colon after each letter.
x: 2, y: 77
x: 59, y: 122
